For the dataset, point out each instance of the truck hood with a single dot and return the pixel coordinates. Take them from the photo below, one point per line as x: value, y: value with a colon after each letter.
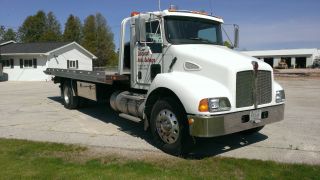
x: 217, y: 56
x: 218, y: 63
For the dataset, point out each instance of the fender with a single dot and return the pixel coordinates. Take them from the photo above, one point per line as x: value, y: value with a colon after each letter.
x: 277, y: 86
x: 190, y: 89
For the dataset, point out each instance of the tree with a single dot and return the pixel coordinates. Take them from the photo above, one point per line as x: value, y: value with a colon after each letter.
x: 226, y: 43
x: 39, y: 28
x: 72, y: 30
x: 98, y: 39
x: 89, y: 34
x: 2, y: 31
x: 7, y: 34
x: 52, y: 30
x: 10, y: 34
x: 33, y: 28
x: 105, y: 46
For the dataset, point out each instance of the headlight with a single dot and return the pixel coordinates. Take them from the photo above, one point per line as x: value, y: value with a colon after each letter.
x: 280, y: 96
x: 214, y: 105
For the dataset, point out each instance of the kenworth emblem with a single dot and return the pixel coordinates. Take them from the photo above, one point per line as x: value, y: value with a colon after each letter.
x: 255, y: 83
x: 255, y: 66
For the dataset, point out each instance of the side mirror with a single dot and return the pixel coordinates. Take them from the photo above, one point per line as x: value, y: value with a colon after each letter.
x: 236, y: 36
x: 140, y: 28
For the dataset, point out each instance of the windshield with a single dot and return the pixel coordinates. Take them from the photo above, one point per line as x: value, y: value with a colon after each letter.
x: 187, y: 30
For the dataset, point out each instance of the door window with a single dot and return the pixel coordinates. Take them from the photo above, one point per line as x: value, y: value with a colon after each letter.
x: 153, y: 36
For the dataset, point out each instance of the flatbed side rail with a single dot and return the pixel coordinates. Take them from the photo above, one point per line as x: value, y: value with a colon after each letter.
x: 89, y: 76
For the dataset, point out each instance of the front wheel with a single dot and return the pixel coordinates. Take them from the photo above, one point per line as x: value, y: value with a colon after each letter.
x: 169, y: 126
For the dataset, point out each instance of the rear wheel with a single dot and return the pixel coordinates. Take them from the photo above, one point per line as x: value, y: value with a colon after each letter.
x: 169, y: 126
x: 70, y: 99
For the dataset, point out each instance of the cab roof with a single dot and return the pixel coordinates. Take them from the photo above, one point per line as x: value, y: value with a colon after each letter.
x: 187, y: 13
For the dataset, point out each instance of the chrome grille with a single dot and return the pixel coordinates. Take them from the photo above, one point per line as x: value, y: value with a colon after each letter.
x: 245, y: 88
x: 264, y: 87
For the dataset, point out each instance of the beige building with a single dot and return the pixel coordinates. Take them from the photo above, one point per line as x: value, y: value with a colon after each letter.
x: 294, y: 58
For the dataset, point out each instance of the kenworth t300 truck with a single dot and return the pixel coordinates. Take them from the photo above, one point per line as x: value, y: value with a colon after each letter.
x: 176, y: 76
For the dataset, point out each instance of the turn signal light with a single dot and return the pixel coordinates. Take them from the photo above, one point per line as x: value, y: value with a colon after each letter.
x: 190, y: 121
x: 203, y: 105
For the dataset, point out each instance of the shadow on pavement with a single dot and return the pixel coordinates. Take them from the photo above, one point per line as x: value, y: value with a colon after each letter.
x: 205, y: 147
x: 208, y: 147
x: 104, y: 113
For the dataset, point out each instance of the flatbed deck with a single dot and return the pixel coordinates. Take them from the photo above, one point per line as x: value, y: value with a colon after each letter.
x: 89, y: 76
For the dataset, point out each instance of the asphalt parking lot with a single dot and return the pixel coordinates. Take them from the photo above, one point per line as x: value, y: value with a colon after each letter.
x: 33, y: 111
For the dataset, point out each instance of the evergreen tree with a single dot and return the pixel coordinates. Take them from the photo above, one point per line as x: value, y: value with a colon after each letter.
x: 10, y: 34
x: 53, y: 29
x: 73, y: 28
x: 2, y: 31
x: 105, y: 45
x: 227, y: 43
x: 33, y: 28
x: 89, y: 34
x: 98, y: 39
x: 40, y: 28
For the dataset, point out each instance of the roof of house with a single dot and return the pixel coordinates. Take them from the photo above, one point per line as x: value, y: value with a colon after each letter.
x: 44, y: 48
x: 6, y: 42
x: 41, y: 47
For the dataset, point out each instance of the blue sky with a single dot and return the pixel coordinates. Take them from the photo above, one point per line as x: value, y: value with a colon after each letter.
x: 264, y: 24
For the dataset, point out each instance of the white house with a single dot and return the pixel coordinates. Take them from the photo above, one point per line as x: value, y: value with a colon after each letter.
x: 27, y: 61
x: 294, y: 58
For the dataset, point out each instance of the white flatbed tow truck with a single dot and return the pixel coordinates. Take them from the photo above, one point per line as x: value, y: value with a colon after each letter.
x: 182, y: 82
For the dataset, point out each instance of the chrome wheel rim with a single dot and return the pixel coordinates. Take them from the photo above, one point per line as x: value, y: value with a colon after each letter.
x: 66, y: 95
x: 167, y: 126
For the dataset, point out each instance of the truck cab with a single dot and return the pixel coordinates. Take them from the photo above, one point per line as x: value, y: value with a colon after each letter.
x: 180, y: 55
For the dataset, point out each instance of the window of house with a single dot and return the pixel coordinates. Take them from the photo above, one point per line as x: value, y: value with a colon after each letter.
x: 72, y: 64
x: 28, y: 63
x: 8, y: 63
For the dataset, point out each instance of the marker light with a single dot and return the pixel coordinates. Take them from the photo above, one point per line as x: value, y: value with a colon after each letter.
x: 203, y: 105
x: 173, y: 8
x: 199, y: 12
x: 134, y: 13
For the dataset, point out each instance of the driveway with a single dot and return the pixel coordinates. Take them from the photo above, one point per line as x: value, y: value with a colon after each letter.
x: 33, y: 111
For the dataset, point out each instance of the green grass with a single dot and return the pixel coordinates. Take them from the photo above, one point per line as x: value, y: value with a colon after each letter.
x: 32, y: 160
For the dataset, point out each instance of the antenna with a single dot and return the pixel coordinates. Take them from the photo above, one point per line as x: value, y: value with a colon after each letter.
x: 159, y: 4
x: 211, y: 7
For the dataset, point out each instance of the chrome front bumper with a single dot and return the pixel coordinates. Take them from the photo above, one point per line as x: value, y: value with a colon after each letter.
x: 211, y: 126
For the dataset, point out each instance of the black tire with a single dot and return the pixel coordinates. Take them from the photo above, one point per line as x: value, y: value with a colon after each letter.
x: 70, y: 99
x: 252, y: 131
x: 183, y: 142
